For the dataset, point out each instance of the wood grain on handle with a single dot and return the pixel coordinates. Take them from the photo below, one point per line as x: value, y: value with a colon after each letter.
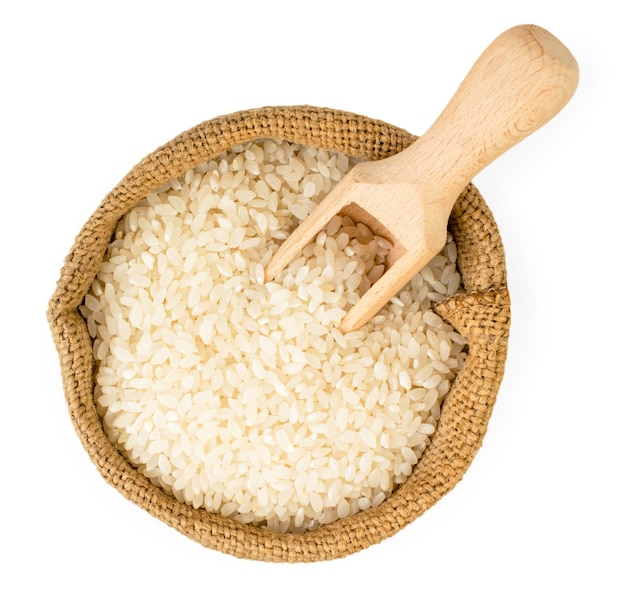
x: 522, y: 80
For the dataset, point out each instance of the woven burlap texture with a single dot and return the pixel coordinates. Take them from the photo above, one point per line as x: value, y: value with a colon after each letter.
x: 481, y: 312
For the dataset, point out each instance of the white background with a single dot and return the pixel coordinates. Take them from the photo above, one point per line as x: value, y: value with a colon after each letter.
x: 90, y: 88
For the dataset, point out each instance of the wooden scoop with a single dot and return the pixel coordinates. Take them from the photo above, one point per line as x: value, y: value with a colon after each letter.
x: 520, y: 82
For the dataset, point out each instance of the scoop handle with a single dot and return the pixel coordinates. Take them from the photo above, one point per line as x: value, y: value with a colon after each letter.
x: 522, y: 80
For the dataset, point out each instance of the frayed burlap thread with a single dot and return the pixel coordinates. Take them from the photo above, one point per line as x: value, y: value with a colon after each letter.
x: 481, y: 312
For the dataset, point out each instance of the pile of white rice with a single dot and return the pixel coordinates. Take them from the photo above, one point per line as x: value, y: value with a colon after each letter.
x: 243, y: 397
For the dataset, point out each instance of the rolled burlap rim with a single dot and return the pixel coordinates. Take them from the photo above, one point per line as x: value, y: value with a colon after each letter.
x: 480, y: 312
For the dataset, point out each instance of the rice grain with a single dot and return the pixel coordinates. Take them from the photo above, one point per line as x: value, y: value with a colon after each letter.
x: 244, y: 397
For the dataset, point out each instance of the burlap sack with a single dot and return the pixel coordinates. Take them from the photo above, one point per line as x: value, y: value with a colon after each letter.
x: 481, y: 313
